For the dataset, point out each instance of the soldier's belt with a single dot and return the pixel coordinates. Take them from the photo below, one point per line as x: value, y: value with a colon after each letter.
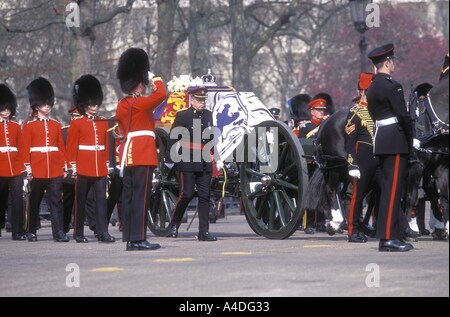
x: 385, y: 122
x: 91, y: 147
x: 141, y: 133
x: 44, y: 149
x: 5, y: 149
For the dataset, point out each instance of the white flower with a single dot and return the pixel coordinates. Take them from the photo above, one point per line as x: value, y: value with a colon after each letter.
x: 180, y: 84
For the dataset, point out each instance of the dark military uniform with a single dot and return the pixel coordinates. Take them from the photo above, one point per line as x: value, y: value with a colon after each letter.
x: 195, y: 170
x: 392, y: 144
x: 360, y: 130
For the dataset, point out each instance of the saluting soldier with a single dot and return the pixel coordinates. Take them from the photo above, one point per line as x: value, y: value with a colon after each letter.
x: 392, y: 144
x: 43, y: 153
x: 138, y: 156
x: 363, y: 165
x: 195, y: 163
x: 11, y: 165
x: 87, y: 153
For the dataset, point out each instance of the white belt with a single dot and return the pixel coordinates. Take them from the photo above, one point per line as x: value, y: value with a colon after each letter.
x: 5, y: 149
x: 44, y: 149
x: 385, y: 122
x: 131, y: 135
x: 91, y: 147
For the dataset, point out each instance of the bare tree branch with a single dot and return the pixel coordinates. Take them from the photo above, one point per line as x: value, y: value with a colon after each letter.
x: 108, y: 17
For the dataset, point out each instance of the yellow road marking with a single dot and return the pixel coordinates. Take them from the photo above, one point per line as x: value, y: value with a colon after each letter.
x: 317, y: 246
x: 107, y: 269
x: 174, y: 260
x: 236, y: 253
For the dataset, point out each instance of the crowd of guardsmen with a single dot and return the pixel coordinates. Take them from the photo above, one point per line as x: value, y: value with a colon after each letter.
x: 72, y: 164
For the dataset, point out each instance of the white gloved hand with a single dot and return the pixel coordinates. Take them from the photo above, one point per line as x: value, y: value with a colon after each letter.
x: 416, y: 144
x: 355, y: 174
x: 74, y: 168
x: 219, y: 165
x: 28, y: 170
x: 150, y: 75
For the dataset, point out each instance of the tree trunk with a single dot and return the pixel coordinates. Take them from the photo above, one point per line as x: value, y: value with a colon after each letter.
x: 81, y: 42
x: 241, y: 61
x: 199, y: 37
x: 166, y: 48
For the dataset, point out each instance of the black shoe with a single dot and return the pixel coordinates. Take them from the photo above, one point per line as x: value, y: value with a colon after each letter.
x: 424, y: 232
x: 357, y: 237
x: 394, y: 246
x: 206, y: 236
x: 31, y: 237
x: 142, y: 246
x: 411, y: 233
x: 60, y: 236
x: 19, y: 236
x: 173, y: 230
x: 310, y: 231
x: 106, y: 238
x: 81, y: 239
x: 368, y: 230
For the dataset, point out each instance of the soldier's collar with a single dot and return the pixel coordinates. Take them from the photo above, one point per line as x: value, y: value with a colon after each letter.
x: 4, y: 120
x: 43, y: 120
x: 315, y: 121
x: 90, y: 117
x: 363, y: 104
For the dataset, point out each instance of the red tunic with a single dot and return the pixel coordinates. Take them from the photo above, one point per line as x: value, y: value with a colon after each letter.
x: 141, y: 149
x: 10, y: 161
x: 42, y: 146
x: 88, y: 146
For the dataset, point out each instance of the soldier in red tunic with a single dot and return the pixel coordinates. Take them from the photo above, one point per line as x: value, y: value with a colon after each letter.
x: 11, y: 165
x: 87, y: 153
x: 43, y: 153
x: 138, y: 150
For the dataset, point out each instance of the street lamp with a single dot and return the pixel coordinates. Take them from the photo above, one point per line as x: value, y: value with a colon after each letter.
x: 359, y: 15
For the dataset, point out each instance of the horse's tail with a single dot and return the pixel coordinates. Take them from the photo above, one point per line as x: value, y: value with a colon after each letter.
x: 316, y: 193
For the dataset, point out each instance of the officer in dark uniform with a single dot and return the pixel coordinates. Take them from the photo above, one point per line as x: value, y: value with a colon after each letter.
x: 193, y: 160
x: 392, y: 144
x: 363, y: 166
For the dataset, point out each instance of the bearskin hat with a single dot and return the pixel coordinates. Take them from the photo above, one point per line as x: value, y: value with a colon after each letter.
x: 330, y: 104
x: 298, y: 107
x: 40, y: 92
x: 86, y: 91
x: 7, y: 99
x: 133, y: 69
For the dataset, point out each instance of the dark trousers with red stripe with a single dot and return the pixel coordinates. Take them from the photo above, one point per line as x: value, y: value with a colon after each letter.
x: 82, y: 188
x: 137, y: 187
x: 390, y: 224
x: 370, y: 180
x: 188, y: 182
x: 12, y: 187
x: 53, y: 188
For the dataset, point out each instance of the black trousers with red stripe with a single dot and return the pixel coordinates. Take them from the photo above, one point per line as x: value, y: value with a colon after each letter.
x: 390, y: 224
x: 137, y: 187
x: 370, y: 180
x: 53, y: 189
x: 188, y: 182
x: 12, y: 187
x: 82, y: 188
